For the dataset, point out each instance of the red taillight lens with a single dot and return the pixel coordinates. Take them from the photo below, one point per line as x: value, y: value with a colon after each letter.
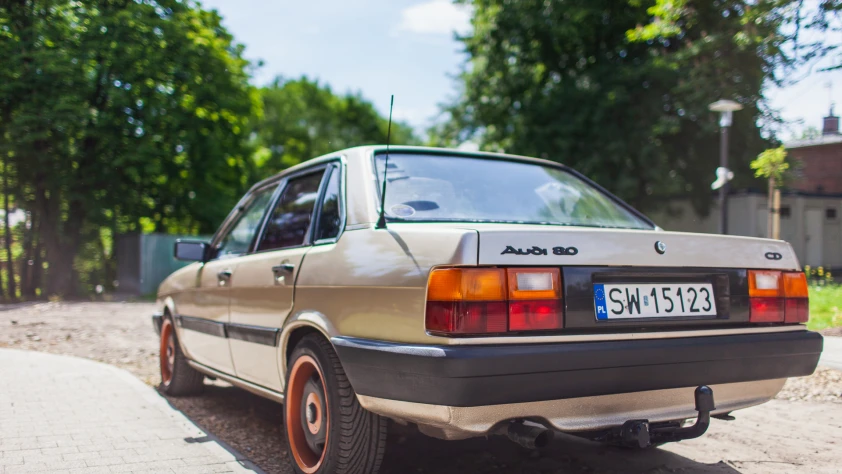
x: 466, y: 317
x: 777, y: 297
x: 797, y: 310
x: 463, y: 301
x: 767, y: 310
x: 535, y: 315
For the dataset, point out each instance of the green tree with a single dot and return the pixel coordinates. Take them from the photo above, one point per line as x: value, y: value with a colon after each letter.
x: 800, y: 29
x: 303, y: 119
x: 120, y: 114
x: 771, y: 164
x: 574, y: 82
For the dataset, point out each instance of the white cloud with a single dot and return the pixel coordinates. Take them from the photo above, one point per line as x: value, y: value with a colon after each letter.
x: 436, y: 17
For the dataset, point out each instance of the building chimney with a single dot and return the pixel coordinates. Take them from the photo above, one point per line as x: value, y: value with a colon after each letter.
x: 831, y: 124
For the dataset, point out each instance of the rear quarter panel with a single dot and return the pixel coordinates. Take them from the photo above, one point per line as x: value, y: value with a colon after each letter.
x: 372, y: 282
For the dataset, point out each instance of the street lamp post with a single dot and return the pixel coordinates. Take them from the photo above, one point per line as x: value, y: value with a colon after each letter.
x: 726, y: 109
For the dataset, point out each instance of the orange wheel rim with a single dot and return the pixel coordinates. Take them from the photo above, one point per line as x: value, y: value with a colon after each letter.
x: 308, y: 411
x: 167, y: 354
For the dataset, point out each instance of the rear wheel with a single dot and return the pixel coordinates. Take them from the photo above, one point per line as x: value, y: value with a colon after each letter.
x: 177, y: 377
x: 327, y: 431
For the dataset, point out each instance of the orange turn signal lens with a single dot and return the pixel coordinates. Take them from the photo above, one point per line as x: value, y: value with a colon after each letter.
x: 765, y: 283
x: 795, y: 285
x: 467, y: 284
x: 534, y: 283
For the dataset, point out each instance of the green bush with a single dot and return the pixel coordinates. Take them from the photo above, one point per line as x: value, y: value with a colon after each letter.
x: 825, y: 306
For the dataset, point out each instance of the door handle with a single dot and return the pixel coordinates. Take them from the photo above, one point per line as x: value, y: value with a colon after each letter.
x: 223, y: 276
x: 280, y: 272
x: 284, y: 267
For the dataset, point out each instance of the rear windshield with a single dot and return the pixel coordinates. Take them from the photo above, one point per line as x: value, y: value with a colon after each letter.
x: 463, y: 189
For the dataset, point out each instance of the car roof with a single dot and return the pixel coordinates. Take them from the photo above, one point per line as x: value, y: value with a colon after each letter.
x: 364, y: 152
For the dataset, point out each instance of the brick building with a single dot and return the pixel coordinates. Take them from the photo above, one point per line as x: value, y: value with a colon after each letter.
x: 819, y: 160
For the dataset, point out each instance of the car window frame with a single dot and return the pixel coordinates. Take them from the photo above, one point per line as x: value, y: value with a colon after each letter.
x: 308, y: 236
x: 234, y: 216
x: 333, y: 167
x: 378, y: 182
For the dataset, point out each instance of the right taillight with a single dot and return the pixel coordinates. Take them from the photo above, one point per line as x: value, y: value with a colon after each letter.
x: 777, y: 297
x: 466, y: 301
x: 797, y: 298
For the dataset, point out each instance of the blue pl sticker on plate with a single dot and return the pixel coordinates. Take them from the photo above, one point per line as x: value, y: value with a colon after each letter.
x: 599, y: 301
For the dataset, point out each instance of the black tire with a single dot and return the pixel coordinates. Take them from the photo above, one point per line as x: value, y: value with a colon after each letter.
x: 177, y: 377
x: 355, y: 439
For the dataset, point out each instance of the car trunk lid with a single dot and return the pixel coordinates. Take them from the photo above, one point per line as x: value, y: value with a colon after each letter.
x: 594, y: 258
x: 533, y: 245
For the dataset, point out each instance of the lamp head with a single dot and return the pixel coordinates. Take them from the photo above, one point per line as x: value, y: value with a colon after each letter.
x: 724, y: 105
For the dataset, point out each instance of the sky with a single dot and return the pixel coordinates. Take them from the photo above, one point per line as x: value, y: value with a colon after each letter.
x: 407, y: 48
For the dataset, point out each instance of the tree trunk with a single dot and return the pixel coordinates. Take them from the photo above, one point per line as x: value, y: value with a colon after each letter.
x: 37, y: 267
x: 776, y: 222
x: 770, y: 222
x: 10, y: 267
x: 61, y: 239
x: 27, y: 267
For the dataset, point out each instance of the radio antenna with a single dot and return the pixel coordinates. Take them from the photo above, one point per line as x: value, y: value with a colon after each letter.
x: 381, y: 221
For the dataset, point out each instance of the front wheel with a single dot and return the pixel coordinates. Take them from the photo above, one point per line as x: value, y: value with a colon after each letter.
x: 177, y: 377
x: 327, y: 431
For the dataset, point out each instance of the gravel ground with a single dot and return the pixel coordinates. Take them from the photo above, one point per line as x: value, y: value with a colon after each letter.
x: 771, y: 438
x: 836, y: 332
x: 120, y: 334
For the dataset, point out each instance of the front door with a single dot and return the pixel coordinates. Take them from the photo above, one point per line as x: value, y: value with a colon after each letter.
x: 815, y: 231
x: 263, y: 284
x: 203, y: 321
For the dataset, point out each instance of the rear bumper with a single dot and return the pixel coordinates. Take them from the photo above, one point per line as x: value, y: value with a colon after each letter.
x: 474, y: 376
x: 586, y: 414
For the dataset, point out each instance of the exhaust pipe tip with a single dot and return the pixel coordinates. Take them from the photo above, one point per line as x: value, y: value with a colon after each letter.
x: 529, y: 436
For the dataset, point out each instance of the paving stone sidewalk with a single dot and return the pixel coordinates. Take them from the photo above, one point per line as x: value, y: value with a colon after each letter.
x: 63, y: 414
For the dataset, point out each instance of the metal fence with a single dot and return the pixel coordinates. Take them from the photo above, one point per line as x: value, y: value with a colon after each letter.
x: 144, y: 260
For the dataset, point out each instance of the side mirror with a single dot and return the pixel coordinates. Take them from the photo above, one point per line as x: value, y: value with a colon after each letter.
x: 191, y: 250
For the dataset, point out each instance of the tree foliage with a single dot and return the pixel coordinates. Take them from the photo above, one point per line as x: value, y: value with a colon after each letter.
x: 303, y: 119
x: 119, y: 114
x: 619, y: 90
x: 771, y: 164
x: 134, y: 116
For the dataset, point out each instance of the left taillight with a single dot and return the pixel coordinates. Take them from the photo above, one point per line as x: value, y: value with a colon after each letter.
x: 465, y: 301
x: 778, y: 297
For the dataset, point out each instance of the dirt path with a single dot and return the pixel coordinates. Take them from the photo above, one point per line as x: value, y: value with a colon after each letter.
x: 800, y: 432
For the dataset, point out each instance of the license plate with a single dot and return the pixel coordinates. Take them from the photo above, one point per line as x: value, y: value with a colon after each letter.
x: 653, y: 300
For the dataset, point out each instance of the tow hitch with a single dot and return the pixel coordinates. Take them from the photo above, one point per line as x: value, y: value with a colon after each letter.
x: 642, y: 434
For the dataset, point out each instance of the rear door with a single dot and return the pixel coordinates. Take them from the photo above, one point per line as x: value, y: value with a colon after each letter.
x: 203, y: 317
x: 263, y: 284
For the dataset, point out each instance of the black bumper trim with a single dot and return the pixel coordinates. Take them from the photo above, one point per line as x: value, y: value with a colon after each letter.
x: 489, y: 375
x: 157, y: 322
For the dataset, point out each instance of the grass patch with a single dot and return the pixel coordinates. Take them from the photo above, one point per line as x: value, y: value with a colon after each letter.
x: 825, y: 306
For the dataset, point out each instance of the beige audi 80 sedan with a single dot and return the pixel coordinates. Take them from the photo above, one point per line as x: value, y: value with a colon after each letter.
x: 489, y: 294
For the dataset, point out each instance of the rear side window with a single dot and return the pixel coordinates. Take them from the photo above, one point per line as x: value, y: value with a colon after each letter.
x: 290, y: 220
x: 330, y: 219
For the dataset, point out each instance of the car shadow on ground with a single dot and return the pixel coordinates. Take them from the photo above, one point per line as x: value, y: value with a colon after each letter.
x: 252, y: 426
